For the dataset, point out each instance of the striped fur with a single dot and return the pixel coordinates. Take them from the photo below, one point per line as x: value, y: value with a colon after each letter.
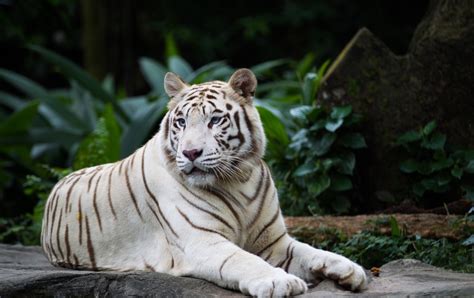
x: 195, y: 200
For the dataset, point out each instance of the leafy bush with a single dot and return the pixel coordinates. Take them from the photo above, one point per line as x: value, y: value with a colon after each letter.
x: 372, y: 249
x: 434, y: 166
x: 315, y: 175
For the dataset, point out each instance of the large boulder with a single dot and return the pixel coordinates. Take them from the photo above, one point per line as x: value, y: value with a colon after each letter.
x: 434, y: 80
x: 25, y: 271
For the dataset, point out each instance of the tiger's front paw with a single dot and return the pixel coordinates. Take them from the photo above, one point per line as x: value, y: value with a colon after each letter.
x: 276, y: 285
x: 347, y: 273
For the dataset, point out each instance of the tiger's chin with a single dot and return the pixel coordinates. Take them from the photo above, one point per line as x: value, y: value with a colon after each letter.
x: 199, y: 178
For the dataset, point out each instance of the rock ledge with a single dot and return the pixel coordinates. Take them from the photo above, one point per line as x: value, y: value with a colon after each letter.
x: 24, y: 271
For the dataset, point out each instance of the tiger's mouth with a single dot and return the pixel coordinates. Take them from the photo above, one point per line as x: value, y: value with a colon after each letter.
x: 197, y: 171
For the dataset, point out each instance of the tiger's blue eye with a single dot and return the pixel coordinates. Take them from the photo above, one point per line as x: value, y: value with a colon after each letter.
x: 215, y: 120
x: 181, y: 122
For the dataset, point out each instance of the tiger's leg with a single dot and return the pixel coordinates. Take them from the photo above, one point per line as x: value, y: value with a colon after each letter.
x: 312, y: 264
x: 230, y: 266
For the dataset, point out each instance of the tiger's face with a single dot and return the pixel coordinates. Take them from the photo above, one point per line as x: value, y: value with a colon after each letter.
x: 213, y: 132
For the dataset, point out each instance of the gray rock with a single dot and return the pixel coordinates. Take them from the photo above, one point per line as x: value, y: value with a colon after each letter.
x: 397, y: 93
x: 25, y: 271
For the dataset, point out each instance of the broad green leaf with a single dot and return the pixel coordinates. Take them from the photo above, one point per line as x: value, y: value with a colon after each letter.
x: 180, y: 67
x: 436, y: 142
x: 304, y: 169
x: 301, y: 112
x: 353, y: 140
x: 322, y: 145
x: 319, y: 184
x: 217, y: 70
x: 468, y: 192
x: 457, y: 172
x: 409, y: 166
x: 20, y: 121
x: 333, y: 125
x: 154, y: 74
x: 22, y: 83
x: 305, y: 65
x: 428, y: 128
x: 424, y: 168
x: 309, y: 88
x: 340, y: 112
x: 441, y: 164
x: 347, y: 163
x: 418, y: 189
x: 102, y: 145
x: 409, y: 137
x: 137, y: 133
x: 274, y: 130
x: 470, y: 167
x: 11, y: 101
x: 469, y: 241
x: 170, y: 46
x: 268, y: 66
x: 340, y: 183
x: 72, y: 71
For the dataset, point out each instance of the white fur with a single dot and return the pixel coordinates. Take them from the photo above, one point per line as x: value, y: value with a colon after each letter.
x: 130, y: 242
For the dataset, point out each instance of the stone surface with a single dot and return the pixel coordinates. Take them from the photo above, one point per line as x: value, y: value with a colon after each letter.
x: 433, y: 80
x: 24, y: 271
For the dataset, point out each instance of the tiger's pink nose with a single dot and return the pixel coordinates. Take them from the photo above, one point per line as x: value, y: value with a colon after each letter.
x: 192, y: 154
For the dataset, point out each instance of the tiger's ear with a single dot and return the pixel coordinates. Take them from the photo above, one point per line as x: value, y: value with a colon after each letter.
x: 244, y: 83
x: 173, y: 84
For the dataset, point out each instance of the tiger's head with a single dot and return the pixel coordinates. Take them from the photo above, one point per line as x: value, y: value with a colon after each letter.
x: 212, y: 132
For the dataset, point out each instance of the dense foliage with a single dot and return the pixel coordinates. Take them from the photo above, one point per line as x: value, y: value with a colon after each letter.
x: 436, y: 167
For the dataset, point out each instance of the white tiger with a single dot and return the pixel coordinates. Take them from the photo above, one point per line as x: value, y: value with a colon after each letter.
x: 196, y: 200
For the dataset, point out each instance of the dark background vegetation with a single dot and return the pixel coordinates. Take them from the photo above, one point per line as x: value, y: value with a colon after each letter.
x: 110, y: 36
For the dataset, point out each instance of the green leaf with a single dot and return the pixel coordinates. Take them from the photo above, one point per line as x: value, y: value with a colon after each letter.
x: 424, y: 168
x: 396, y: 232
x: 429, y: 127
x: 309, y: 88
x: 180, y: 67
x: 72, y: 71
x: 470, y: 167
x: 25, y: 85
x: 418, y: 189
x: 353, y: 141
x: 154, y: 74
x: 340, y: 183
x: 319, y: 185
x: 304, y: 169
x: 322, y: 145
x: 340, y: 112
x: 170, y: 46
x: 468, y: 192
x: 20, y: 121
x: 305, y: 65
x: 457, y: 172
x: 409, y: 137
x: 408, y: 166
x: 301, y: 112
x: 268, y: 66
x: 274, y: 130
x: 140, y: 126
x: 347, y: 163
x: 11, y: 101
x: 441, y: 164
x: 436, y: 142
x: 102, y: 145
x: 333, y: 125
x: 469, y: 241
